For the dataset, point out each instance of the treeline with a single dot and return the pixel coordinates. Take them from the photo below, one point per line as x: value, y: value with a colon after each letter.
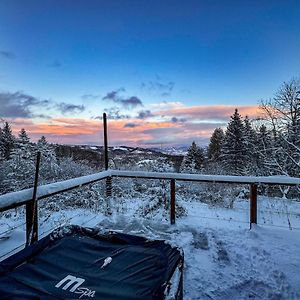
x: 18, y: 157
x: 266, y: 146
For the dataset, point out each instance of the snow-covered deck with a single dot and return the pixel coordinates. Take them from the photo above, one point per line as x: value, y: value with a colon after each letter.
x: 223, y: 258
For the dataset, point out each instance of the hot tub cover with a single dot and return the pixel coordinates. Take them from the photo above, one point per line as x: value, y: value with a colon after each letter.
x: 83, y: 263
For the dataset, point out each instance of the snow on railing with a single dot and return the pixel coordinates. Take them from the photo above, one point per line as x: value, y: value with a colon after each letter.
x: 25, y: 197
x: 14, y: 199
x: 280, y: 180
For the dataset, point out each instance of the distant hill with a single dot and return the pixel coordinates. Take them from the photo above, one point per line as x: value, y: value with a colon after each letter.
x: 122, y: 156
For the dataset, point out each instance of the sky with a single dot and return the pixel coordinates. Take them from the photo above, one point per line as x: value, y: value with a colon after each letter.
x: 165, y: 72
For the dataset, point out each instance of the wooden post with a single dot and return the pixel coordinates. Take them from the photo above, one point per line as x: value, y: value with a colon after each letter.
x: 253, y: 204
x: 105, y: 142
x: 32, y: 208
x: 29, y: 214
x: 108, y: 179
x: 172, y: 202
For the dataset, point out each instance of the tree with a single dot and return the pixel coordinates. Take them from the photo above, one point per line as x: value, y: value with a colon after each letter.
x: 215, y: 145
x: 7, y: 141
x: 23, y: 137
x: 283, y: 113
x: 23, y: 146
x: 251, y: 147
x: 264, y: 151
x: 234, y: 153
x: 21, y: 163
x: 194, y: 160
x: 49, y: 163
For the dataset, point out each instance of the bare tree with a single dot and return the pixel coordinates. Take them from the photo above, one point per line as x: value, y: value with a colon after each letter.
x: 282, y: 114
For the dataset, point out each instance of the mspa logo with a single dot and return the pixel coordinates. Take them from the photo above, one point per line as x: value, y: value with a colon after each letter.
x: 73, y: 284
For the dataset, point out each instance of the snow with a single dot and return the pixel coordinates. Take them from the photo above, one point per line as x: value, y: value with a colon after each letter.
x: 120, y: 148
x: 49, y: 189
x: 212, y: 178
x: 10, y: 199
x: 223, y: 258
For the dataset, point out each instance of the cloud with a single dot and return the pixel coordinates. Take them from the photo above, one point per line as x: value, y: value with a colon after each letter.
x: 220, y: 113
x: 120, y: 132
x: 19, y: 104
x: 7, y: 54
x: 113, y: 95
x: 179, y: 126
x: 113, y: 113
x: 144, y: 114
x: 55, y: 64
x: 41, y: 116
x: 66, y: 108
x: 176, y: 120
x: 167, y: 105
x: 131, y: 102
x: 89, y: 97
x: 22, y: 105
x: 130, y: 125
x: 127, y: 103
x: 158, y: 87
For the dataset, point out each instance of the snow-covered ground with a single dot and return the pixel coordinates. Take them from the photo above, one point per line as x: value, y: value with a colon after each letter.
x: 223, y: 258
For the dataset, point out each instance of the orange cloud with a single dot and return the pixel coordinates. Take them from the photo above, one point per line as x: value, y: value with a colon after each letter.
x: 210, y: 112
x: 199, y: 123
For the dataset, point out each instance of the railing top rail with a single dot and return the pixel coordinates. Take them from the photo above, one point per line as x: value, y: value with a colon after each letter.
x: 15, y: 199
x: 280, y: 180
x: 12, y: 200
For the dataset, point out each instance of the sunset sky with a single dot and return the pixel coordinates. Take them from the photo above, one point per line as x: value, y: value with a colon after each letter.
x: 165, y: 72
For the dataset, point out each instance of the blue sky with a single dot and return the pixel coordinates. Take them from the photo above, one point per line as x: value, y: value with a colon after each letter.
x: 193, y: 53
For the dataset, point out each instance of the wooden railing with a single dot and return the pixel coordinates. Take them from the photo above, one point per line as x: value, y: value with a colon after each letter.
x: 25, y: 197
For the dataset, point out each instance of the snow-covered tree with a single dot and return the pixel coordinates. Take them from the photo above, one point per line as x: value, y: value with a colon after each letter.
x: 194, y: 160
x: 234, y: 151
x: 251, y: 147
x: 7, y: 141
x: 264, y: 151
x: 49, y: 164
x: 23, y: 147
x: 283, y: 114
x: 215, y: 145
x: 23, y: 138
x: 21, y: 163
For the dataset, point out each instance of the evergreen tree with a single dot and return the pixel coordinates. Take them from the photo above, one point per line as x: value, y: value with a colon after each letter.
x: 7, y: 141
x: 264, y: 151
x: 234, y: 154
x: 42, y: 145
x: 49, y: 164
x: 23, y: 137
x: 250, y: 134
x: 251, y: 147
x: 194, y: 160
x: 215, y: 145
x: 21, y: 163
x: 23, y: 145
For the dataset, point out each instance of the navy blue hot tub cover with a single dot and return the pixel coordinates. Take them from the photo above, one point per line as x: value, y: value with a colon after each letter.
x: 83, y: 263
